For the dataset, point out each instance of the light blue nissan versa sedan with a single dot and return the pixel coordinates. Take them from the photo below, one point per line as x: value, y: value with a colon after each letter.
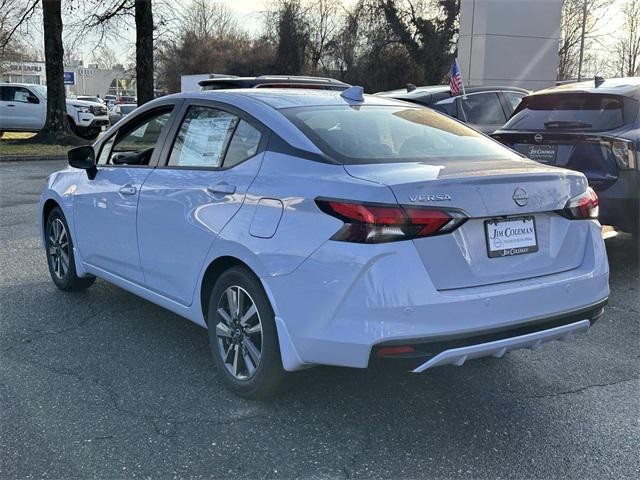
x: 308, y: 227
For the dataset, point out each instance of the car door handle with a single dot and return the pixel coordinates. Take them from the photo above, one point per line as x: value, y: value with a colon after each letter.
x: 128, y: 190
x: 11, y: 105
x: 222, y: 189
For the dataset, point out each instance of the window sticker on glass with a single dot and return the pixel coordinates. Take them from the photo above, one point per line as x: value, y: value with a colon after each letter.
x: 203, y: 137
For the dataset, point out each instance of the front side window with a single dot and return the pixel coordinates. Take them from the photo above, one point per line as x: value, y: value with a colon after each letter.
x: 16, y: 94
x: 482, y: 109
x: 384, y: 134
x: 135, y: 143
x: 203, y: 138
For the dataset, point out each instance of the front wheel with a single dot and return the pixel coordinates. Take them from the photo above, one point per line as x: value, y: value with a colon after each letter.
x: 243, y: 336
x: 60, y: 258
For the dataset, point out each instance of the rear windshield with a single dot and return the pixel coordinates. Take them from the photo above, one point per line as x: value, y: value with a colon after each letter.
x: 592, y: 112
x: 387, y: 134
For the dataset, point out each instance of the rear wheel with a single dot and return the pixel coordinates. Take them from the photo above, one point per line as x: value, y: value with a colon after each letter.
x: 243, y: 336
x: 60, y: 259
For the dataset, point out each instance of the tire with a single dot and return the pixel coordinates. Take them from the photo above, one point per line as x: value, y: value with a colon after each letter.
x: 88, y: 133
x: 245, y: 348
x: 58, y: 245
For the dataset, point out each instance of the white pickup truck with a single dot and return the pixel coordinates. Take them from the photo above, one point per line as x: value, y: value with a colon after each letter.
x: 23, y: 108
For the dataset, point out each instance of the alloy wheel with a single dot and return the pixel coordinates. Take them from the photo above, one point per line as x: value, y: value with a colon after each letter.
x: 239, y: 333
x: 58, y: 248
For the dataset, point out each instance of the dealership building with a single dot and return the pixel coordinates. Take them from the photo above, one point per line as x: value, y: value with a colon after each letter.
x: 80, y: 80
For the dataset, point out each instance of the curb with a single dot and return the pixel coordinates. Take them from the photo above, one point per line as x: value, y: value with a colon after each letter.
x: 31, y: 158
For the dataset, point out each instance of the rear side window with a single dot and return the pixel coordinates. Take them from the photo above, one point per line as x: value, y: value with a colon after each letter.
x: 513, y: 100
x: 447, y: 106
x: 580, y: 111
x: 482, y: 109
x: 385, y: 134
x: 243, y: 145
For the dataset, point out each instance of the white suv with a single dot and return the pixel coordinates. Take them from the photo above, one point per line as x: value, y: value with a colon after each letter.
x: 23, y: 108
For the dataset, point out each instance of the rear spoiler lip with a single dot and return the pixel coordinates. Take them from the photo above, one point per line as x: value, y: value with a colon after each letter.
x: 552, y: 136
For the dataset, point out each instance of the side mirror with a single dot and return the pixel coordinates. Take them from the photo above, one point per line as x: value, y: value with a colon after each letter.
x: 84, y: 158
x: 32, y: 99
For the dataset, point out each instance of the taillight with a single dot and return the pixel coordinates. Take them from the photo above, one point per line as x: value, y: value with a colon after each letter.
x: 584, y: 206
x: 624, y: 154
x: 380, y: 223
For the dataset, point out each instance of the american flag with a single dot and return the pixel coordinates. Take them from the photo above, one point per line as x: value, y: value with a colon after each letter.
x: 456, y: 79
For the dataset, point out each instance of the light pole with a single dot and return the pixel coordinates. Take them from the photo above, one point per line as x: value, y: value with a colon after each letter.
x: 584, y: 23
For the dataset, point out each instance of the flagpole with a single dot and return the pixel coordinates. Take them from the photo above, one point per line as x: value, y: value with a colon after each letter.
x: 464, y: 93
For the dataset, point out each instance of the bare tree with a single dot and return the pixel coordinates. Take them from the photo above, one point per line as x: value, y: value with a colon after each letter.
x: 56, y: 125
x: 107, y: 17
x: 429, y: 41
x: 322, y: 25
x: 206, y: 19
x: 15, y: 16
x: 571, y: 33
x: 342, y: 48
x: 144, y: 50
x: 292, y: 37
x: 628, y: 41
x: 105, y: 57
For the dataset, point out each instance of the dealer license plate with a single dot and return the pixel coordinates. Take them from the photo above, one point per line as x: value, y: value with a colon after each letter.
x: 511, y: 236
x: 543, y: 153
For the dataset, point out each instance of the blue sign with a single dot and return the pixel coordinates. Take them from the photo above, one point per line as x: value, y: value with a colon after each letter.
x: 69, y: 78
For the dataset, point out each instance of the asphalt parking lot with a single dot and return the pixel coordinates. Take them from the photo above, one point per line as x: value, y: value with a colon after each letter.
x: 103, y: 384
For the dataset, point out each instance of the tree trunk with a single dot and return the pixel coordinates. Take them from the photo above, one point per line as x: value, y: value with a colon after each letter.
x: 144, y: 50
x: 57, y: 124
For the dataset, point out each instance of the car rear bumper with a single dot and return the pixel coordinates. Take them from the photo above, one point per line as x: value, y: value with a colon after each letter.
x: 498, y: 348
x: 347, y: 299
x: 457, y: 349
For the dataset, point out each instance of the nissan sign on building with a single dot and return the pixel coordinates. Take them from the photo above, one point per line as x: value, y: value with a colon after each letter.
x: 69, y: 78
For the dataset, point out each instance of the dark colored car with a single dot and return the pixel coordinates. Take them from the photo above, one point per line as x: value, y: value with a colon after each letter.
x: 484, y: 108
x: 120, y: 110
x: 273, y: 81
x: 126, y: 99
x: 592, y: 127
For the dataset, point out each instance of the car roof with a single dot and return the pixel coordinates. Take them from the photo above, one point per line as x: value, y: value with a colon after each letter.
x: 279, y: 98
x: 16, y: 84
x: 629, y: 87
x: 264, y: 104
x: 440, y: 92
x: 249, y: 82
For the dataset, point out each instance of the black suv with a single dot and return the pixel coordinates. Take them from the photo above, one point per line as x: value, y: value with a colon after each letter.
x: 485, y: 108
x: 592, y: 127
x: 273, y: 81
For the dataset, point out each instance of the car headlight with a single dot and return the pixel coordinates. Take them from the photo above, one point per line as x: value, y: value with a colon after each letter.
x: 82, y: 109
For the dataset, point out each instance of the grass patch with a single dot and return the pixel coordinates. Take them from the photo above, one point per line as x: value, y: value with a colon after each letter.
x: 23, y: 144
x: 32, y: 149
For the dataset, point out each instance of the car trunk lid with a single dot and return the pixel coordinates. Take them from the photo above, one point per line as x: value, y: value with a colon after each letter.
x: 488, y: 191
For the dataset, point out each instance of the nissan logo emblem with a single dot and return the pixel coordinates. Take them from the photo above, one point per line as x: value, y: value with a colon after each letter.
x: 520, y: 197
x: 537, y: 137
